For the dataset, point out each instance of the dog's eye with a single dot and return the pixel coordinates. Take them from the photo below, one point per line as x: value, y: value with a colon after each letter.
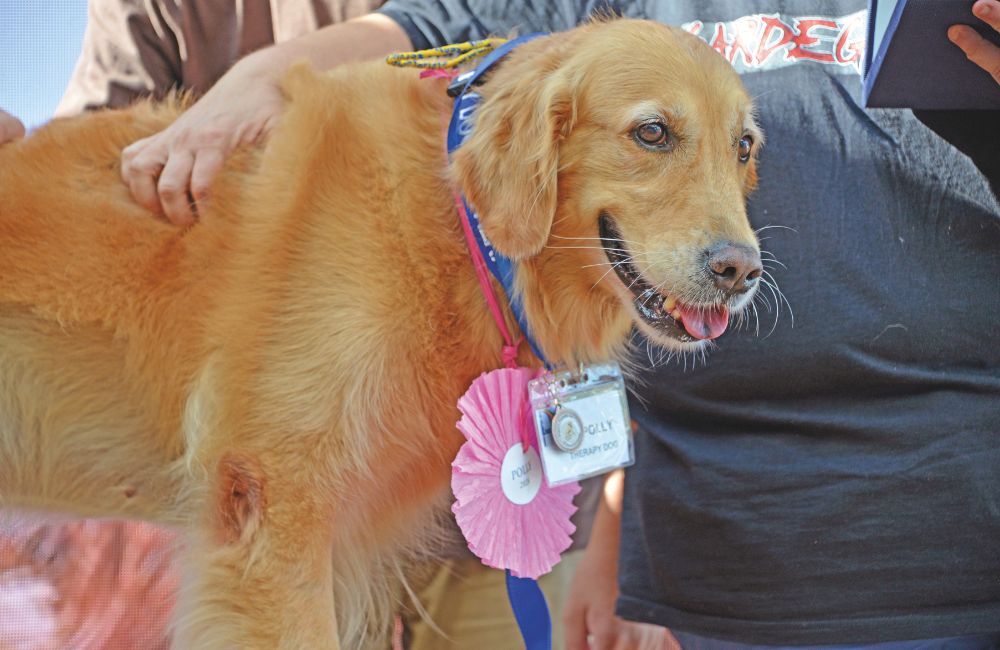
x: 652, y: 134
x: 745, y: 146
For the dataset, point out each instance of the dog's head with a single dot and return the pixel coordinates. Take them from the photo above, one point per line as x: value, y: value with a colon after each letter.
x: 614, y: 161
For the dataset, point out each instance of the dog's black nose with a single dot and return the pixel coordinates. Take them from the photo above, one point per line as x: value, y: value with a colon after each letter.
x: 734, y: 267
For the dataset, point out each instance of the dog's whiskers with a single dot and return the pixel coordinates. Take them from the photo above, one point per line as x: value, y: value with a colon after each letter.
x: 779, y: 297
x: 624, y: 241
x: 632, y: 283
x: 762, y: 297
x: 605, y: 274
x: 612, y: 264
x: 640, y: 276
x: 772, y: 284
x: 588, y: 248
x: 777, y: 311
x: 763, y: 228
x: 771, y: 257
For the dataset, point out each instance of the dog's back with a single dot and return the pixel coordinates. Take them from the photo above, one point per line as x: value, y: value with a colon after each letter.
x: 83, y: 272
x: 133, y: 354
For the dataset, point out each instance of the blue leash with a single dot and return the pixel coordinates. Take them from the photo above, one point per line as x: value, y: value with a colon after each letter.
x: 531, y: 612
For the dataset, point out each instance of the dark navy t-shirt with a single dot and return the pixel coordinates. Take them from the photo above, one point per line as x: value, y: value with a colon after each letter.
x: 835, y: 479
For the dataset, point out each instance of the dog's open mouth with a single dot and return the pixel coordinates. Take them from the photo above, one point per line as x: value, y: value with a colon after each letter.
x: 664, y: 312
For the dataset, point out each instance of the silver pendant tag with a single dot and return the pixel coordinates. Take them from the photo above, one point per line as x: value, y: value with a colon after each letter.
x: 582, y: 421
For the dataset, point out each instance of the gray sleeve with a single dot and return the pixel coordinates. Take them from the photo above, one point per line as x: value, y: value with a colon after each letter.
x: 430, y: 23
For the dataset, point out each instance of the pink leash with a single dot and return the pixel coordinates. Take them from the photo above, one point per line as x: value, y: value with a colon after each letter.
x: 483, y: 274
x: 510, y: 343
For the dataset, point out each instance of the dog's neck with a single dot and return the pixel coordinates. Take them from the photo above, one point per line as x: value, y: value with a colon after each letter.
x: 570, y: 320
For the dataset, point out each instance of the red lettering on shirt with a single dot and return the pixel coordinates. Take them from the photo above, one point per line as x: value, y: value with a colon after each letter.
x: 718, y: 41
x: 694, y: 27
x: 766, y: 41
x: 772, y: 26
x: 804, y: 40
x: 746, y: 40
x: 850, y: 50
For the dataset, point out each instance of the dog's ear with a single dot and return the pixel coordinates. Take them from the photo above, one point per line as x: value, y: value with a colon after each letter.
x: 509, y: 165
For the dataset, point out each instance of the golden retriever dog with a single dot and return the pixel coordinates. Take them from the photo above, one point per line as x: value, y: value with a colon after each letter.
x: 279, y: 381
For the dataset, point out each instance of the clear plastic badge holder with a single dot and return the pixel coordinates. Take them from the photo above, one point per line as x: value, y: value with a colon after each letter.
x: 582, y: 422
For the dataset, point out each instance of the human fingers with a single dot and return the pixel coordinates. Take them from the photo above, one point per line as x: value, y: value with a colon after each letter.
x: 641, y: 636
x: 574, y: 623
x: 173, y: 188
x: 628, y: 641
x: 989, y: 12
x: 976, y: 48
x: 604, y: 632
x: 142, y: 162
x: 207, y: 163
x: 11, y: 128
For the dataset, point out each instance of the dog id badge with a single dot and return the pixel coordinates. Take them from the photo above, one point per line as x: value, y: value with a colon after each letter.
x: 582, y: 422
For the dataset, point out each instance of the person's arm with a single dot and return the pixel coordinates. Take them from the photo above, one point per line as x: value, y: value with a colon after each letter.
x: 10, y: 127
x: 589, y: 615
x: 167, y: 170
x: 976, y: 48
x: 163, y: 169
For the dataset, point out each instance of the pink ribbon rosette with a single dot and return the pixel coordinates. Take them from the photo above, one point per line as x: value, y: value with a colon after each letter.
x: 509, y: 515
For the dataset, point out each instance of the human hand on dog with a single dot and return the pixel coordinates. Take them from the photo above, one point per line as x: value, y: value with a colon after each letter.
x: 589, y: 614
x: 976, y: 48
x: 171, y: 172
x: 10, y: 127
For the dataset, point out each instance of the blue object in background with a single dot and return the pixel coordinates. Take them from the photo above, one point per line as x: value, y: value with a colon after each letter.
x: 39, y: 43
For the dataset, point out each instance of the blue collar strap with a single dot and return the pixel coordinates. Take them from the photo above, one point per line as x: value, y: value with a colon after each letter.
x: 467, y: 79
x: 526, y: 598
x: 459, y: 128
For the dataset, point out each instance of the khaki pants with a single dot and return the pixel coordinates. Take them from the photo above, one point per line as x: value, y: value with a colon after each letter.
x: 468, y: 602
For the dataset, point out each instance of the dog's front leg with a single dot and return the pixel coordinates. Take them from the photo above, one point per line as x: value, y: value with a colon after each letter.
x: 258, y: 570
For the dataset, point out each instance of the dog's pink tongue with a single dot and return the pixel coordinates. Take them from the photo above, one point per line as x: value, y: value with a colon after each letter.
x: 704, y: 324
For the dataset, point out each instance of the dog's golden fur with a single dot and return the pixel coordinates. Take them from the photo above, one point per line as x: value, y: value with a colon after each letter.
x: 279, y: 381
